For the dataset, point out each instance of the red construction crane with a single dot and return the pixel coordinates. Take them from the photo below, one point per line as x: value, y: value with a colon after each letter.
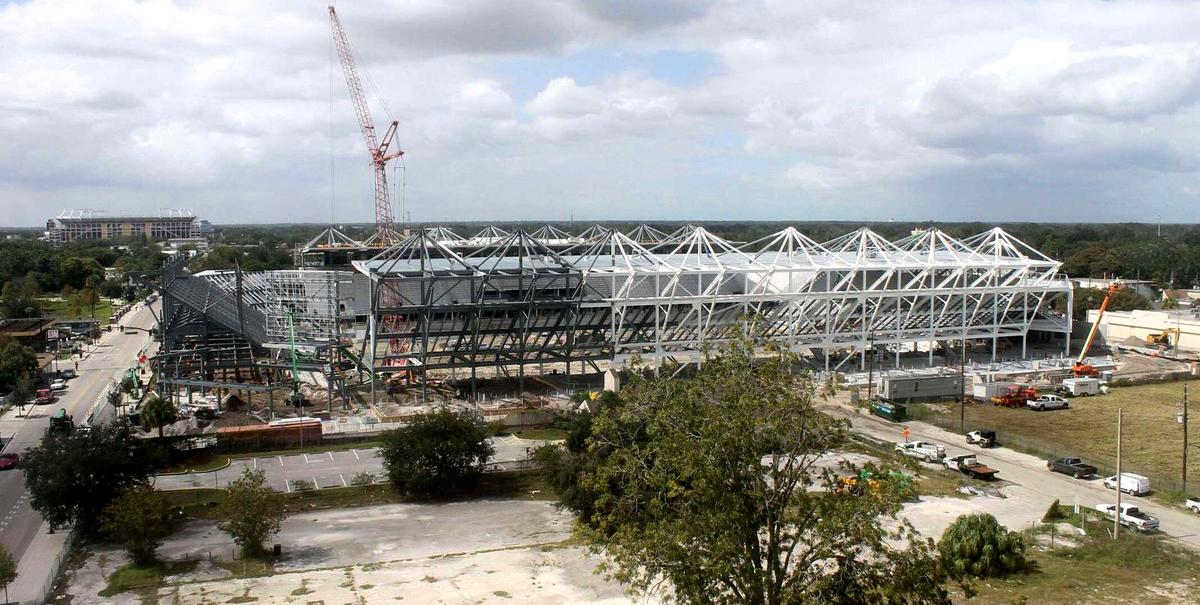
x: 385, y: 227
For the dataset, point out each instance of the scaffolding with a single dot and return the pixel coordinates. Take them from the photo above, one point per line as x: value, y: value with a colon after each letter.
x: 515, y: 301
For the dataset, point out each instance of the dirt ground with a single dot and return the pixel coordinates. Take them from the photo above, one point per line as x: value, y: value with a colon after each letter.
x: 489, y: 551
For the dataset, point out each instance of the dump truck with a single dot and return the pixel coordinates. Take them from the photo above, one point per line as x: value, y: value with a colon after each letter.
x: 970, y: 466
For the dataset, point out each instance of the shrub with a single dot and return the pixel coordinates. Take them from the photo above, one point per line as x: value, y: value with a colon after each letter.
x: 436, y: 454
x: 363, y: 478
x: 138, y: 520
x: 250, y: 511
x: 977, y: 545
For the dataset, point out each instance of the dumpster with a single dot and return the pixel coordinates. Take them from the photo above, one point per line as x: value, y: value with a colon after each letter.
x: 887, y: 409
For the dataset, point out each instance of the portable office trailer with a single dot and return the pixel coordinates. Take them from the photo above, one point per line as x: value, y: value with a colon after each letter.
x: 910, y: 387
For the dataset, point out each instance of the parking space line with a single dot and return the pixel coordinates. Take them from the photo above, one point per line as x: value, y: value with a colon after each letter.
x: 343, y: 478
x: 330, y: 456
x: 355, y: 454
x: 306, y: 460
x: 280, y: 460
x: 316, y: 484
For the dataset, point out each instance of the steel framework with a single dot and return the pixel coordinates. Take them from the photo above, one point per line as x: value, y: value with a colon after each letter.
x: 515, y: 301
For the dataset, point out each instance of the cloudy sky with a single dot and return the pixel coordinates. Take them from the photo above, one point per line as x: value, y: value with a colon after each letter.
x: 606, y: 109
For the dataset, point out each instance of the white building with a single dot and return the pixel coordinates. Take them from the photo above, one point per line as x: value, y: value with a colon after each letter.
x: 1118, y: 326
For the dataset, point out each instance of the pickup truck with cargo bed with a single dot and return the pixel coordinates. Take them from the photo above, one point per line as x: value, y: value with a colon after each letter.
x: 922, y: 450
x: 1071, y: 466
x: 970, y: 466
x: 1131, y: 517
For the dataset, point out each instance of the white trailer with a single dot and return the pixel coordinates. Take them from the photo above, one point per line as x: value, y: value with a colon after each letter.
x: 984, y: 391
x: 1080, y: 387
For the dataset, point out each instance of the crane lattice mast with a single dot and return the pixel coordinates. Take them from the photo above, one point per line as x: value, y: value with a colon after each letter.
x: 385, y: 228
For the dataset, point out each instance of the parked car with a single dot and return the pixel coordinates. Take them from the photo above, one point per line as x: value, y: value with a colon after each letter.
x: 1134, y: 485
x: 43, y: 397
x: 1071, y: 466
x: 924, y: 450
x: 1192, y: 503
x: 1047, y: 402
x: 58, y: 384
x: 1130, y: 517
x: 970, y: 466
x: 982, y: 438
x: 8, y: 461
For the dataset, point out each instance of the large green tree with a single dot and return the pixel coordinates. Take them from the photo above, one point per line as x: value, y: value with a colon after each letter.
x: 138, y: 520
x: 72, y: 476
x: 436, y: 454
x: 711, y: 485
x: 250, y: 511
x: 16, y: 360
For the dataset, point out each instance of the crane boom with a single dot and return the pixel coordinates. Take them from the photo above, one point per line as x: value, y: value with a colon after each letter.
x: 1085, y: 369
x: 385, y: 228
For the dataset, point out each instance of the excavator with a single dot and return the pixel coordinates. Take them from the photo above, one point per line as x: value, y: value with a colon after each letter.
x: 1082, y: 369
x: 1163, y: 338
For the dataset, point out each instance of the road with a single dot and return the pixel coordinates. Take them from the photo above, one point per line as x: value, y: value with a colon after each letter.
x: 114, y: 352
x: 330, y: 469
x: 1025, y: 477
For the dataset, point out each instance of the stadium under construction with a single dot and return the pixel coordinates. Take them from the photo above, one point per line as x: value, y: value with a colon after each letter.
x: 365, y: 323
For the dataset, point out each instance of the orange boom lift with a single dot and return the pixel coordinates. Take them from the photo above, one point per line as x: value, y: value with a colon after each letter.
x: 1082, y: 369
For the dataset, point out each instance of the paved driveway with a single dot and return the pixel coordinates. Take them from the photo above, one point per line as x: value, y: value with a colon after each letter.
x: 331, y: 469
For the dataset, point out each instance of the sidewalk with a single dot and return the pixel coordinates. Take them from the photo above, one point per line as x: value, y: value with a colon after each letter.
x: 40, y: 566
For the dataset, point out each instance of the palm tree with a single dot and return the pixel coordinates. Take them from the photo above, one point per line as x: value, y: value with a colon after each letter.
x: 158, y: 412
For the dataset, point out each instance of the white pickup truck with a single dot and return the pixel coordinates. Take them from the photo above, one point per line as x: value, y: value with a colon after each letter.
x: 924, y: 450
x: 1193, y: 503
x: 1131, y: 517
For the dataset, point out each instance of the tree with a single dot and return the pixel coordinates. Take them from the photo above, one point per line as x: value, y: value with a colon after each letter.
x: 18, y: 303
x: 978, y: 546
x: 22, y: 392
x: 16, y: 360
x: 435, y: 454
x: 114, y: 396
x: 72, y: 476
x: 8, y: 570
x: 158, y: 413
x: 138, y: 520
x: 250, y: 511
x: 710, y: 485
x: 89, y: 297
x: 1124, y: 299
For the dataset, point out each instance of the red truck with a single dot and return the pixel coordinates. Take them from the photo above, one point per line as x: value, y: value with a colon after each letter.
x: 43, y: 397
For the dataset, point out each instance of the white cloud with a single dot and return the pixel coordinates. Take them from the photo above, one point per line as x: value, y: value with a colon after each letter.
x: 810, y: 110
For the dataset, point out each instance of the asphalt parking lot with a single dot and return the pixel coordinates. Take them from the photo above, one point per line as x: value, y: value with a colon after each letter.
x: 331, y: 469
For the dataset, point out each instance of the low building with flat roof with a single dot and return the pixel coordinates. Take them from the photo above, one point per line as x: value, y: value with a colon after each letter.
x: 34, y: 332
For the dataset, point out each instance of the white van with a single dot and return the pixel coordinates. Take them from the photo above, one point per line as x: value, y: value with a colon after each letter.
x: 1134, y: 485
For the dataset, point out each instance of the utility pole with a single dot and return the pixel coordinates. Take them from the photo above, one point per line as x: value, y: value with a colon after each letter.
x: 870, y: 353
x: 962, y: 379
x: 1184, y: 420
x: 1117, y: 512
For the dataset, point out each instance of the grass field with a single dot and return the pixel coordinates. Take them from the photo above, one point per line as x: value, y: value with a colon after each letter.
x: 57, y: 307
x: 1135, y: 569
x: 1152, y: 444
